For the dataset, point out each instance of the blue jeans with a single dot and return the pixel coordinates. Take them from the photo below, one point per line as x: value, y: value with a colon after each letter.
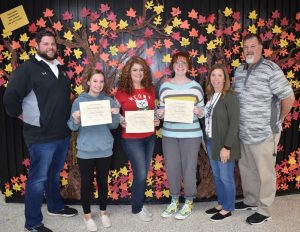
x: 46, y: 162
x: 224, y: 179
x: 139, y: 152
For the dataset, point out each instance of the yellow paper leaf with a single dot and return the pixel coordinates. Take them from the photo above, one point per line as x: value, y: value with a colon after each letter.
x: 297, y: 42
x: 6, y: 34
x: 227, y: 12
x: 113, y: 50
x: 276, y: 30
x: 96, y: 195
x: 104, y: 23
x: 7, y: 55
x: 123, y: 24
x: 218, y: 41
x: 79, y: 89
x: 157, y: 20
x: 290, y: 74
x: 252, y: 15
x: 8, y: 68
x: 124, y: 171
x: 149, y: 193
x: 184, y: 42
x: 158, y: 9
x: 210, y: 28
x: 176, y: 22
x: 158, y: 133
x: 77, y: 26
x: 201, y: 59
x: 16, y: 187
x: 292, y: 161
x: 298, y: 177
x: 131, y: 44
x: 166, y: 193
x: 64, y: 182
x: 169, y: 29
x: 24, y: 38
x: 115, y: 173
x: 211, y: 45
x: 157, y: 166
x: 252, y: 29
x: 149, y: 5
x: 24, y: 56
x: 283, y: 43
x: 68, y: 35
x: 235, y: 63
x: 77, y: 53
x: 167, y: 58
x: 32, y: 51
x: 8, y: 193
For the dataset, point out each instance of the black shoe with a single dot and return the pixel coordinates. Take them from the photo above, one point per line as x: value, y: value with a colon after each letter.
x: 66, y: 212
x: 257, y: 218
x: 219, y: 217
x: 212, y: 211
x: 242, y: 206
x: 41, y: 228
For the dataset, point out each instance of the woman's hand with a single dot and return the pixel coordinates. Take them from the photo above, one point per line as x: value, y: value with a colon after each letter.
x: 160, y: 113
x: 156, y: 122
x: 224, y: 155
x: 122, y: 121
x: 198, y: 111
x: 76, y: 116
x: 115, y: 110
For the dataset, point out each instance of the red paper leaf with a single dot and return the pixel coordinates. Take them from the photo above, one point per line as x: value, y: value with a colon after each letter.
x: 168, y: 43
x: 15, y: 45
x: 201, y: 19
x: 227, y: 31
x: 218, y: 32
x: 297, y: 27
x: 94, y: 48
x: 131, y: 13
x: 175, y: 11
x: 193, y: 14
x: 113, y: 25
x: 48, y: 13
x: 41, y: 23
x: 157, y: 44
x: 94, y: 27
x: 78, y: 69
x: 94, y: 16
x: 104, y: 43
x: 57, y: 26
x: 104, y: 57
x: 104, y: 8
x: 211, y: 18
x: 236, y: 26
x: 193, y: 53
x: 185, y: 25
x: 32, y: 43
x: 202, y: 39
x: 275, y: 14
x: 298, y: 16
x: 260, y: 22
x: 85, y: 12
x: 268, y: 52
x: 32, y: 28
x: 193, y: 33
x: 111, y: 16
x: 148, y: 33
x: 176, y: 36
x: 236, y: 16
x: 67, y: 16
x: 284, y: 22
x: 140, y: 20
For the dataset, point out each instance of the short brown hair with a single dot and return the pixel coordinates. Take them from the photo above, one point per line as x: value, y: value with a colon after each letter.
x: 41, y: 34
x: 250, y: 36
x: 176, y: 56
x: 125, y: 82
x: 210, y: 89
x: 91, y: 73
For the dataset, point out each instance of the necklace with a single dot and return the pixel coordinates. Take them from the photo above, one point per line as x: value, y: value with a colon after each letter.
x: 212, y: 105
x: 208, y: 117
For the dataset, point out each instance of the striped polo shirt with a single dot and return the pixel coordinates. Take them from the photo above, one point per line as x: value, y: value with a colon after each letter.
x: 191, y: 91
x: 260, y: 89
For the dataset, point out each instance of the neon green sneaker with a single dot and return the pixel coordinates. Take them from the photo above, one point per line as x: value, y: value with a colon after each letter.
x: 171, y: 209
x: 185, y: 211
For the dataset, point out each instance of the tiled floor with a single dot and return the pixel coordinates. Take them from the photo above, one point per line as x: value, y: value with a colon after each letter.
x: 286, y: 218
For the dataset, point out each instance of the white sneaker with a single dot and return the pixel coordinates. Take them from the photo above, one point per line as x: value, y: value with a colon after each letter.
x: 90, y: 224
x: 105, y: 221
x: 147, y: 211
x: 143, y: 216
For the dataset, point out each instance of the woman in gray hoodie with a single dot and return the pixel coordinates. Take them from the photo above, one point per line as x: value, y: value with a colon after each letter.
x: 94, y: 147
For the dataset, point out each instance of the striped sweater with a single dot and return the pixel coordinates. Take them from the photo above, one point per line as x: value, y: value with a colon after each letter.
x: 191, y: 91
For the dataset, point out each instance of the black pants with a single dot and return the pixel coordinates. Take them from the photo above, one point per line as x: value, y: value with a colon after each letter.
x: 86, y: 167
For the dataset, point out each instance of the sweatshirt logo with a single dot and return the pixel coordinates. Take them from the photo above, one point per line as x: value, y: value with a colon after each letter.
x: 44, y: 73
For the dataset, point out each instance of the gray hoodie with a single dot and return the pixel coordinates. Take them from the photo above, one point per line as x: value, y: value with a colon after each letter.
x: 94, y: 141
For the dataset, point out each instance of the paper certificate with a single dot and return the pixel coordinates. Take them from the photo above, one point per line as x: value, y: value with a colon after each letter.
x: 139, y: 121
x: 95, y: 113
x: 179, y: 111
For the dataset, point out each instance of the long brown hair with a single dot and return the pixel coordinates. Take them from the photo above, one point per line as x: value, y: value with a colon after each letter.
x: 91, y: 73
x: 125, y: 82
x: 210, y: 89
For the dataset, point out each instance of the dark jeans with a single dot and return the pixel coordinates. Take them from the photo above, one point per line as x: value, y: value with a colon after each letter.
x: 86, y: 167
x: 224, y: 179
x: 46, y: 162
x: 139, y: 152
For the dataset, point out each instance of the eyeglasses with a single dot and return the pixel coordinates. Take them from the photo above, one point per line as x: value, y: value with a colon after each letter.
x: 180, y: 62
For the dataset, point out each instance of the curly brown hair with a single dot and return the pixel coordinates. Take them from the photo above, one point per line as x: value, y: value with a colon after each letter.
x: 176, y: 56
x: 125, y: 82
x: 90, y: 74
x: 210, y: 89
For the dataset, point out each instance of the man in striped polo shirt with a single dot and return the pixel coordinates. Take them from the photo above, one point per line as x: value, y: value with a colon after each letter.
x: 265, y: 99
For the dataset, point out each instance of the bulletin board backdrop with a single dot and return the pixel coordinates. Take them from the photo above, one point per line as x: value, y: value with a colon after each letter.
x: 104, y: 34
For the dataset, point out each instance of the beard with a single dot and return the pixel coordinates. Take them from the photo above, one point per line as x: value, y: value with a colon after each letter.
x: 250, y: 59
x: 46, y: 57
